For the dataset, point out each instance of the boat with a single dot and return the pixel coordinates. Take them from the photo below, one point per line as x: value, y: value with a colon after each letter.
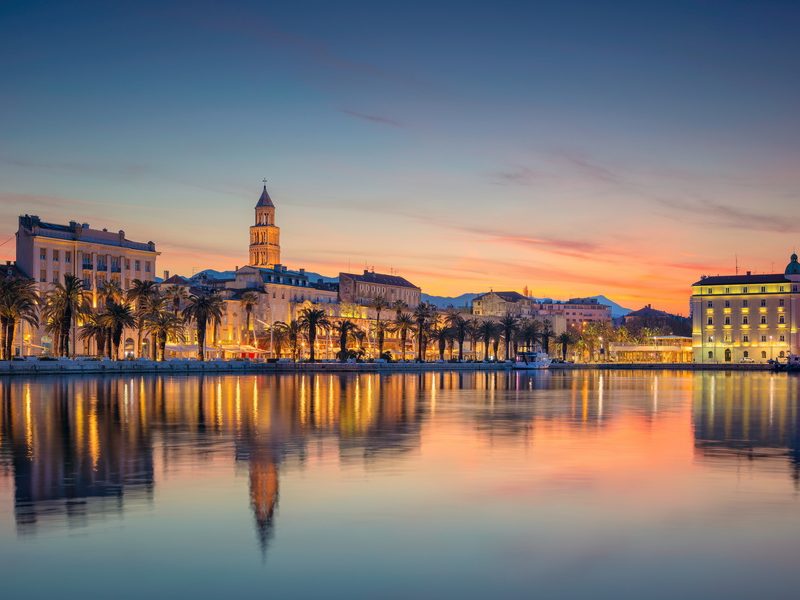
x: 792, y: 364
x: 529, y: 361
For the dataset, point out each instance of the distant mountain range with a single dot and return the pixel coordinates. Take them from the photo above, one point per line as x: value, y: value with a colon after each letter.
x: 465, y: 300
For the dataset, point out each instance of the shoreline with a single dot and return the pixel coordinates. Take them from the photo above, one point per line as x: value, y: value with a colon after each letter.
x: 79, y: 367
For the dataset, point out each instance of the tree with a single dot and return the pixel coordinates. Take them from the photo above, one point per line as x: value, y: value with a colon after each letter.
x: 176, y: 295
x: 162, y: 325
x: 399, y: 307
x: 345, y: 328
x: 64, y: 304
x: 460, y: 328
x: 529, y: 333
x: 487, y: 330
x: 312, y: 319
x: 442, y: 334
x: 116, y: 317
x: 141, y: 295
x: 473, y: 333
x: 248, y: 301
x: 280, y: 335
x: 564, y: 340
x: 378, y: 304
x: 202, y: 309
x: 402, y: 325
x: 294, y: 332
x: 509, y: 324
x: 93, y: 329
x: 422, y: 316
x: 19, y: 302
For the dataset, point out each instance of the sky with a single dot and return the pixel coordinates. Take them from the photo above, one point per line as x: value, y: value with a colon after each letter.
x: 576, y: 148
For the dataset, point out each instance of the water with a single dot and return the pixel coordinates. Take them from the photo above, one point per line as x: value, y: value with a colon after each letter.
x: 554, y: 485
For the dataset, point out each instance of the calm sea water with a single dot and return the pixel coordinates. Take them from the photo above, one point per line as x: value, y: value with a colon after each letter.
x: 555, y: 485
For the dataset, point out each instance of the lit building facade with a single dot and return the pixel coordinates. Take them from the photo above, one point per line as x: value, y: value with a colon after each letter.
x: 738, y: 318
x: 362, y: 289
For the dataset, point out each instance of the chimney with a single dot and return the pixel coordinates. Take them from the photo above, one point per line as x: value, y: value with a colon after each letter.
x: 166, y: 275
x: 121, y: 235
x: 236, y: 268
x: 302, y: 271
x: 749, y: 273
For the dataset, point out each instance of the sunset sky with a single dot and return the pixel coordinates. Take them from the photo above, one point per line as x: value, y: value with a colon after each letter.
x: 577, y: 148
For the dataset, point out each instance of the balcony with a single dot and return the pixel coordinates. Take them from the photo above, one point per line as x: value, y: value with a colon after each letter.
x: 102, y: 267
x: 116, y: 269
x: 87, y: 266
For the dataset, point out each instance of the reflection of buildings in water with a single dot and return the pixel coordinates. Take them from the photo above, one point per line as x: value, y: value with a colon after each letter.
x: 75, y: 450
x: 752, y: 416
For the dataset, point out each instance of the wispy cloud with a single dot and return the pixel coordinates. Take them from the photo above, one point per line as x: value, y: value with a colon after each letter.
x: 710, y: 212
x: 372, y: 118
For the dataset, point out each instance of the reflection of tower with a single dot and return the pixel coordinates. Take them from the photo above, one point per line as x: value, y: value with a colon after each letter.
x: 263, y: 496
x: 265, y: 243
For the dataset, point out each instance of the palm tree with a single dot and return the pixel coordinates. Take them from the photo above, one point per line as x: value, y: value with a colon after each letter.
x: 116, y: 317
x: 344, y: 329
x: 140, y: 295
x: 460, y: 328
x: 509, y: 324
x: 279, y: 334
x: 312, y: 319
x: 249, y: 300
x: 378, y: 304
x: 402, y: 325
x: 294, y: 332
x: 529, y: 333
x: 564, y: 340
x: 442, y: 334
x: 546, y: 335
x: 63, y: 305
x: 422, y: 316
x: 176, y: 295
x: 19, y: 301
x: 399, y: 307
x: 163, y: 324
x: 486, y: 331
x: 94, y: 329
x: 202, y: 309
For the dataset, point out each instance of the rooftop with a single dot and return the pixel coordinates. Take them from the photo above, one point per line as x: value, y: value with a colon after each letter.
x: 507, y: 296
x: 741, y: 279
x: 81, y: 231
x: 380, y: 278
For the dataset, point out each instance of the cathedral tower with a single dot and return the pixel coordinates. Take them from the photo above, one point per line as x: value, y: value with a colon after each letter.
x: 265, y: 236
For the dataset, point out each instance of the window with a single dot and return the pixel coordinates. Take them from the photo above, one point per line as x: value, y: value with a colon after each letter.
x: 763, y: 319
x: 763, y: 338
x: 710, y: 321
x: 55, y: 276
x: 782, y: 354
x: 782, y: 338
x: 781, y: 288
x: 744, y: 303
x: 56, y: 256
x: 710, y: 291
x: 794, y: 288
x: 744, y: 290
x: 87, y: 283
x: 781, y: 302
x: 727, y: 303
x: 709, y: 304
x: 782, y: 320
x: 763, y: 289
x: 763, y: 302
x: 745, y: 320
x: 727, y: 320
x: 710, y: 339
x: 138, y: 265
x: 68, y: 257
x: 727, y: 290
x: 746, y: 354
x: 43, y: 275
x: 42, y: 253
x: 128, y: 263
x: 763, y: 354
x: 710, y: 354
x: 745, y: 338
x: 727, y: 338
x: 147, y: 266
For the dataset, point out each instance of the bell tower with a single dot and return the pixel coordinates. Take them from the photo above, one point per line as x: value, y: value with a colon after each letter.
x: 265, y: 236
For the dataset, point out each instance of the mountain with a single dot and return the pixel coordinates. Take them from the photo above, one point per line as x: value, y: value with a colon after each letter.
x: 616, y: 310
x: 212, y: 274
x: 447, y: 301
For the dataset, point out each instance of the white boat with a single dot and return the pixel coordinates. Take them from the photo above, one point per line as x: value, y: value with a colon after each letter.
x: 528, y: 361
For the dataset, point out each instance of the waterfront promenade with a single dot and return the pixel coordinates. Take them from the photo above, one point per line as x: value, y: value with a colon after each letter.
x: 70, y: 366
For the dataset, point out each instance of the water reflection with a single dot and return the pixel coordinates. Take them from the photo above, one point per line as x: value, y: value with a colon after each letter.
x: 81, y: 449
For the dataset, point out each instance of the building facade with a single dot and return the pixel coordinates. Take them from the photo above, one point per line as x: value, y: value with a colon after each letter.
x: 498, y: 304
x: 744, y: 318
x: 362, y: 289
x: 265, y: 236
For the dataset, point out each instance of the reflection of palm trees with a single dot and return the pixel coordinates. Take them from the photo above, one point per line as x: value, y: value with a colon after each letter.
x: 264, y: 485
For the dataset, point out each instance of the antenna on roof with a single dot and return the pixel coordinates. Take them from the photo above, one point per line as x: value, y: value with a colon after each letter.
x: 264, y: 181
x: 737, y: 263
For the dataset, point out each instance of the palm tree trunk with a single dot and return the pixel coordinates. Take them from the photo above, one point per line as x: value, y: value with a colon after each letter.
x: 3, y: 339
x: 419, y: 343
x: 201, y: 341
x: 312, y: 338
x: 11, y: 324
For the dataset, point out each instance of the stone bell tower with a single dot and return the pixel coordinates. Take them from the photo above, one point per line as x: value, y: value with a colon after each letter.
x: 265, y: 236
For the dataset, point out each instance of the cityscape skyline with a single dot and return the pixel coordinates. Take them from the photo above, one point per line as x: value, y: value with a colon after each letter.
x: 627, y: 162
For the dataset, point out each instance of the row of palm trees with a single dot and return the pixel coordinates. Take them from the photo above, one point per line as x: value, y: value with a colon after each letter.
x: 443, y: 332
x: 66, y: 311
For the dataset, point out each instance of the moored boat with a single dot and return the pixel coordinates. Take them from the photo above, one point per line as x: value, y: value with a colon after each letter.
x: 792, y: 364
x: 532, y: 361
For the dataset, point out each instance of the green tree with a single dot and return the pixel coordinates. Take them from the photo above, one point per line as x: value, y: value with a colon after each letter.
x: 141, y: 295
x: 311, y: 320
x: 509, y: 323
x: 19, y: 302
x: 176, y: 295
x: 93, y: 329
x: 248, y: 301
x: 203, y: 309
x: 163, y: 324
x: 379, y: 304
x: 345, y: 329
x: 423, y: 315
x: 294, y: 331
x: 403, y: 324
x: 116, y: 317
x: 63, y: 305
x: 460, y: 328
x: 564, y: 341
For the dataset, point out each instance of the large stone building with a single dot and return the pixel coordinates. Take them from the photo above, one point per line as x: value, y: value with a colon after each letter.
x: 46, y: 252
x: 362, y: 289
x: 498, y: 304
x: 746, y: 317
x: 265, y: 236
